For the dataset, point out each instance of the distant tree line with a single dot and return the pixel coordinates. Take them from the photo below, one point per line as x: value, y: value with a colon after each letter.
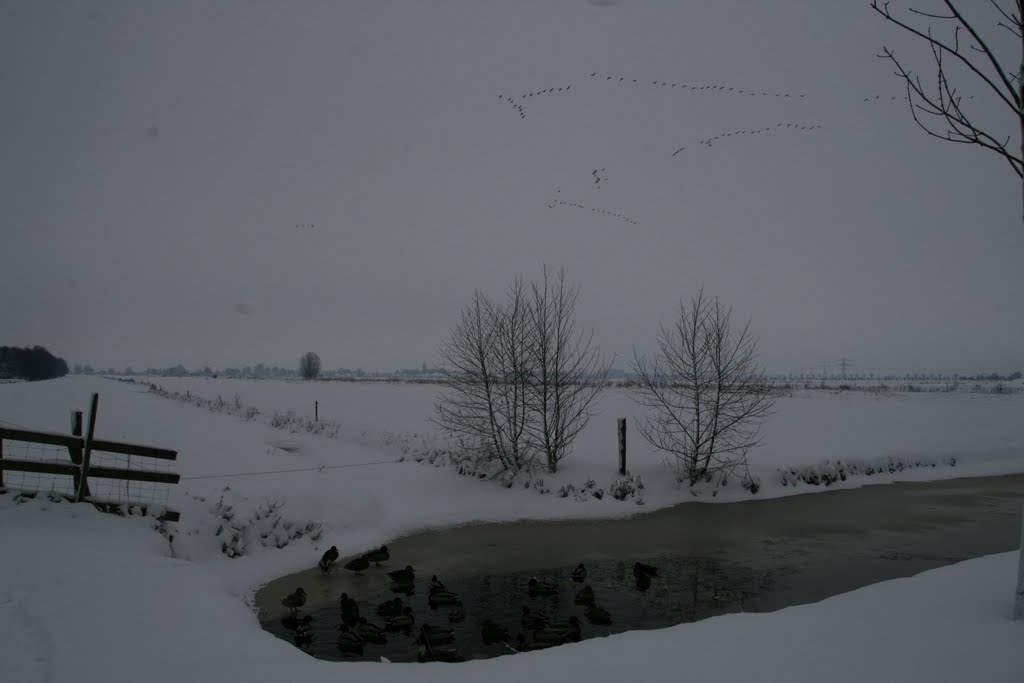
x: 893, y: 377
x: 262, y: 371
x: 30, y: 363
x: 995, y: 377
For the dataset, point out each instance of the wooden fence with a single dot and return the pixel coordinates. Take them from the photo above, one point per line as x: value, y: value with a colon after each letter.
x: 80, y: 452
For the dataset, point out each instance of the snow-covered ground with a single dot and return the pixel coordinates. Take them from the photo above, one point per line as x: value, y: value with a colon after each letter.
x: 89, y: 597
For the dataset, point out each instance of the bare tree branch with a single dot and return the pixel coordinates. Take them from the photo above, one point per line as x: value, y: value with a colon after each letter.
x: 1011, y: 99
x: 940, y: 111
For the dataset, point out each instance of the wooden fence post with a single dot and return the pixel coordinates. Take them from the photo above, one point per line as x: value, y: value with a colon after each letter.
x: 622, y: 446
x: 1, y: 458
x: 1018, y: 607
x: 75, y: 451
x: 87, y: 454
x: 316, y: 411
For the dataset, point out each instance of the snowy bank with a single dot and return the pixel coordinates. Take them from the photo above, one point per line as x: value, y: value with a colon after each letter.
x: 92, y: 597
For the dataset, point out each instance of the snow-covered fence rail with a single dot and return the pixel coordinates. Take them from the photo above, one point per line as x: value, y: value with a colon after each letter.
x: 80, y: 466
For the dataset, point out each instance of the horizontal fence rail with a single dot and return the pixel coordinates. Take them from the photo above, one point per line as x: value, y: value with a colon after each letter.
x: 79, y: 468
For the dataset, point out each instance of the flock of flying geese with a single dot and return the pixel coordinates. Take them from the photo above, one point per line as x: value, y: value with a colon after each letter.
x: 437, y: 642
x: 709, y: 142
x: 598, y: 174
x: 691, y: 87
x: 606, y: 212
x: 546, y: 91
x: 515, y: 105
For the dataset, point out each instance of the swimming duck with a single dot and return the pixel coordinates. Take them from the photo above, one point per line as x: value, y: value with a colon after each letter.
x: 349, y: 609
x: 349, y: 642
x: 403, y: 576
x: 326, y: 563
x: 294, y: 600
x: 401, y: 622
x: 442, y: 599
x: 304, y: 631
x: 357, y: 565
x: 371, y: 633
x: 533, y: 620
x: 381, y: 554
x: 456, y: 613
x: 541, y: 587
x: 435, y: 584
x: 585, y: 596
x: 597, y: 615
x: 390, y: 608
x: 641, y: 568
x: 491, y: 632
x: 435, y: 635
x: 579, y: 574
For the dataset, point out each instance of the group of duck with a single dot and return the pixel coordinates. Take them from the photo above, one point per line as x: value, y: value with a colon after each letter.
x: 594, y: 613
x: 356, y: 564
x: 437, y: 642
x: 433, y: 642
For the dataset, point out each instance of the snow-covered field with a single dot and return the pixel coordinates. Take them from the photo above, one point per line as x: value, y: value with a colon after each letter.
x: 87, y: 596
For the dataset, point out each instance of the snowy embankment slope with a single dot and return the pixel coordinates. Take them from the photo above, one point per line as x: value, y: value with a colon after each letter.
x: 102, y: 593
x: 92, y: 597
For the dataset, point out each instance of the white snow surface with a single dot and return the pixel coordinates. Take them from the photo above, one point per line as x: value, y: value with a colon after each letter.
x: 91, y: 597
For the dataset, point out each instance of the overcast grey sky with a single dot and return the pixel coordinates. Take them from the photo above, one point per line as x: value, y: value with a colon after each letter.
x: 230, y: 183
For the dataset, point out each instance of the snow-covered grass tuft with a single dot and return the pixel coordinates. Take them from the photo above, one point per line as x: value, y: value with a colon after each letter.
x: 237, y: 525
x: 830, y: 472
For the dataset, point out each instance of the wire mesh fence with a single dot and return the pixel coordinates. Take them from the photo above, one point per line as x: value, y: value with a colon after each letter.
x: 122, y: 492
x: 37, y: 482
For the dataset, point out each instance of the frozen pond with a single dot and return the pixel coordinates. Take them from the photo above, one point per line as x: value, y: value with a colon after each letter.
x: 711, y: 559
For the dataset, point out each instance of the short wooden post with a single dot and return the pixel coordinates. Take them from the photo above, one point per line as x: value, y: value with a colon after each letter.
x: 1, y: 458
x: 1018, y: 608
x: 76, y: 452
x: 316, y: 411
x: 622, y: 446
x: 87, y: 454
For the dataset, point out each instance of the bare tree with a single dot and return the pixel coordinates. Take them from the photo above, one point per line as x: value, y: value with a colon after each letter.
x: 569, y: 373
x: 705, y: 396
x: 483, y: 407
x: 959, y: 49
x: 309, y: 365
x: 522, y: 381
x: 513, y: 366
